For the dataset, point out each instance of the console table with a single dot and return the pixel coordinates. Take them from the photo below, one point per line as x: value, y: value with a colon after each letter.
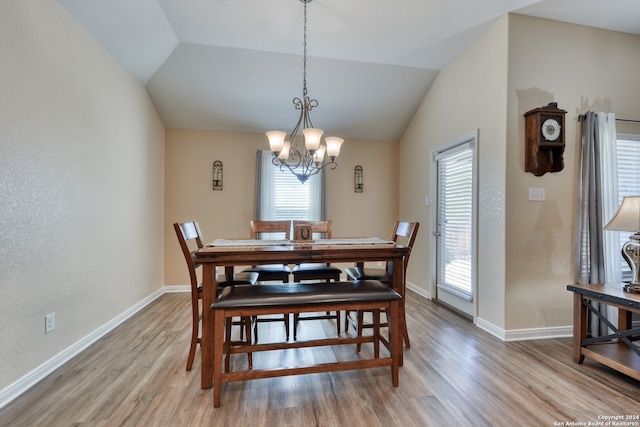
x: 615, y: 350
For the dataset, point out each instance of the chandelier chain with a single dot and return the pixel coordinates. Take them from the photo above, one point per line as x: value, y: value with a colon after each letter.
x: 304, y: 55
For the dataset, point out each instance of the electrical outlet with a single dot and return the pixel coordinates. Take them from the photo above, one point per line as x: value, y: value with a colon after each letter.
x: 49, y: 323
x: 536, y: 194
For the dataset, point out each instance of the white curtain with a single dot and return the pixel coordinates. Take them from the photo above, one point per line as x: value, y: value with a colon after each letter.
x: 610, y: 194
x: 264, y: 186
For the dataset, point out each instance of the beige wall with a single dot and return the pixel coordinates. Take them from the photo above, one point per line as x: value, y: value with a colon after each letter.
x: 525, y: 248
x: 81, y: 183
x: 83, y: 175
x: 596, y: 70
x: 226, y: 213
x: 467, y: 95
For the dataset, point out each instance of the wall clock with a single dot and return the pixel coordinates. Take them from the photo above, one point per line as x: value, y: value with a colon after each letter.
x: 544, y: 139
x: 551, y: 129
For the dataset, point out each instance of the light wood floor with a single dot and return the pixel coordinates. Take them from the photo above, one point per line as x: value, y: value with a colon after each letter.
x: 453, y: 375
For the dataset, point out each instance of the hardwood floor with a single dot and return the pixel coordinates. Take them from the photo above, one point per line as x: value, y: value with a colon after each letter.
x: 453, y: 375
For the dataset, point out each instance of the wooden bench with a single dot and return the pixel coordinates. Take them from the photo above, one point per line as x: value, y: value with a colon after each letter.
x: 245, y: 300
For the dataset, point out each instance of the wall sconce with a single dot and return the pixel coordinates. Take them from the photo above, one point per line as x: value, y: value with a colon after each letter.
x: 217, y: 175
x: 358, y: 179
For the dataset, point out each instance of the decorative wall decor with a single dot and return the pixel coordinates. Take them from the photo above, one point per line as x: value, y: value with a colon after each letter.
x: 217, y: 175
x: 358, y: 179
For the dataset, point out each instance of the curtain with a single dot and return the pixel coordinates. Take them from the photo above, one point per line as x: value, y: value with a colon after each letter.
x: 610, y: 194
x: 597, y: 202
x: 264, y: 185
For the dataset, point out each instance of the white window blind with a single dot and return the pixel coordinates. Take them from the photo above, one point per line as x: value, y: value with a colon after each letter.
x: 281, y: 196
x: 455, y: 218
x: 628, y: 159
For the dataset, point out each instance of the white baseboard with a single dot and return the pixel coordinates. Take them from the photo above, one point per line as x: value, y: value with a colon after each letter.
x: 509, y: 335
x: 177, y: 288
x: 524, y: 334
x: 23, y: 384
x: 539, y: 333
x: 418, y: 290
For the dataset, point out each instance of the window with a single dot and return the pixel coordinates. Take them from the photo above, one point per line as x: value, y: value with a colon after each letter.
x: 628, y: 162
x: 281, y: 196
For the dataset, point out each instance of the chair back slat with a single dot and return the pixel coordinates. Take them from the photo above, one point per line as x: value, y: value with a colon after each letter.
x: 187, y: 233
x: 259, y: 227
x: 404, y: 233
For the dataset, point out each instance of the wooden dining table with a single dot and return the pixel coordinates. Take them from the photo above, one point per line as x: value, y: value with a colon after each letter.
x: 242, y: 253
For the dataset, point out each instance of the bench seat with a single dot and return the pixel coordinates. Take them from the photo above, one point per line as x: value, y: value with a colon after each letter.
x: 280, y: 295
x: 244, y: 300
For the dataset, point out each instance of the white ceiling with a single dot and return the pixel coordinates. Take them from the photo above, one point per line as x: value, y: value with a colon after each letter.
x: 236, y: 65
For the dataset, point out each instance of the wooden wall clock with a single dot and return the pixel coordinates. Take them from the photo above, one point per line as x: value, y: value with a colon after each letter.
x: 544, y: 139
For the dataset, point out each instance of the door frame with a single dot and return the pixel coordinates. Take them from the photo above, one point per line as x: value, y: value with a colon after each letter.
x: 471, y: 307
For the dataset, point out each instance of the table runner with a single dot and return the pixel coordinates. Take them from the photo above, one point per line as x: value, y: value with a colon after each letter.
x: 258, y: 243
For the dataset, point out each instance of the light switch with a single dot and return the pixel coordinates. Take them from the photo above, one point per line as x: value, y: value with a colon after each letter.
x: 536, y: 194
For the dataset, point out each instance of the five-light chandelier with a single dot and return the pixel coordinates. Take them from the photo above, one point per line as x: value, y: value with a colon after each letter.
x: 308, y: 158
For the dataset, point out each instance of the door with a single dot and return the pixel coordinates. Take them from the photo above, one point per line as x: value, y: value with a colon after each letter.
x: 455, y: 227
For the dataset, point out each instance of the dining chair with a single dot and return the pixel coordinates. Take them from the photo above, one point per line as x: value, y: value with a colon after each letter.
x: 403, y: 233
x: 189, y: 234
x: 316, y: 272
x: 270, y: 230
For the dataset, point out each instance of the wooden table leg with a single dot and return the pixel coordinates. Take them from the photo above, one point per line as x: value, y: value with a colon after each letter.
x: 209, y: 286
x: 624, y: 320
x: 579, y: 327
x: 218, y: 350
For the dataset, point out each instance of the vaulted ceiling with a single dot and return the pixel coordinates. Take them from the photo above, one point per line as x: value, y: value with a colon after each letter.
x: 236, y: 65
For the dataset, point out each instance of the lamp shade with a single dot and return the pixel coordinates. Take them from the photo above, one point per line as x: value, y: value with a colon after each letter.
x: 312, y: 138
x: 318, y: 157
x: 627, y: 217
x: 276, y: 140
x: 284, y: 154
x: 333, y: 146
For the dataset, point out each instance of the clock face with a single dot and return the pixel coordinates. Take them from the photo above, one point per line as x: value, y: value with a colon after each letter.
x: 551, y: 129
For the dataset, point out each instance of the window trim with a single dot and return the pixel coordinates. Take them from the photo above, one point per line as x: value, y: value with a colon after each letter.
x: 266, y: 183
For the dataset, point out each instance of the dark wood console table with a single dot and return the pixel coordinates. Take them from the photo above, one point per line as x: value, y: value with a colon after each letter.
x: 616, y: 350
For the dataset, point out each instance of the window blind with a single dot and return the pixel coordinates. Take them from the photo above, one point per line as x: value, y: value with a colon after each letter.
x: 628, y: 160
x: 455, y: 218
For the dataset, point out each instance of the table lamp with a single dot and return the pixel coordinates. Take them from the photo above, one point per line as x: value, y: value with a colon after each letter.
x: 627, y: 218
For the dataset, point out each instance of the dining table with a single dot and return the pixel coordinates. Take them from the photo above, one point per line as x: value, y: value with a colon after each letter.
x: 227, y: 253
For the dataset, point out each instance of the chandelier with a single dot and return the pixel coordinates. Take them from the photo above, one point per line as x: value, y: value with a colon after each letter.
x: 308, y: 158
